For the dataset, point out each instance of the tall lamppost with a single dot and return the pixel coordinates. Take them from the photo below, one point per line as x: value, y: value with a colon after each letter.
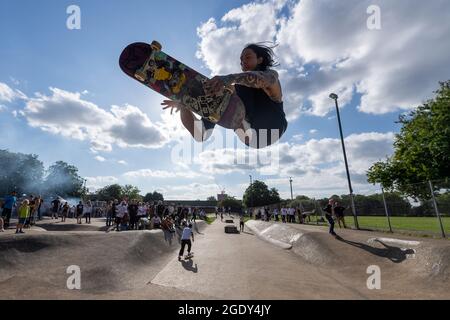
x: 290, y: 181
x: 335, y: 98
x: 251, y: 182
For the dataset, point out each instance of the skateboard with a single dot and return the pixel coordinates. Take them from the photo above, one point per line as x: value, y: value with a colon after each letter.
x: 189, y: 256
x: 164, y: 74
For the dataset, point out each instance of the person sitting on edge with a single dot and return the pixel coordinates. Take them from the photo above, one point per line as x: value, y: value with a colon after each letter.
x: 260, y: 91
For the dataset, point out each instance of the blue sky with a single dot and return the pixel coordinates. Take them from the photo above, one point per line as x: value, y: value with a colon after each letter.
x: 383, y: 73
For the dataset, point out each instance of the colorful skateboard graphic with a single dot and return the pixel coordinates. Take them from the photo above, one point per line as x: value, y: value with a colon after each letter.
x: 176, y: 81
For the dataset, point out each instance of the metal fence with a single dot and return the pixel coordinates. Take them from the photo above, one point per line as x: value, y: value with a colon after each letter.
x: 428, y: 214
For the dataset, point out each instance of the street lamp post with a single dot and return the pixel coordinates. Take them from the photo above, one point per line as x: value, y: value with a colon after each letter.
x: 251, y: 182
x: 290, y: 181
x: 335, y: 98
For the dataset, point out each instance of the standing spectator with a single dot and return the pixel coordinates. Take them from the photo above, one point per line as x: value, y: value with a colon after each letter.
x: 339, y: 212
x: 40, y: 201
x: 275, y: 213
x: 109, y: 213
x: 122, y: 211
x: 87, y: 211
x: 283, y: 214
x: 194, y: 214
x: 8, y: 205
x: 23, y: 213
x: 241, y: 223
x: 79, y: 211
x: 65, y: 212
x: 55, y: 207
x: 291, y: 213
x: 329, y: 216
x: 133, y: 211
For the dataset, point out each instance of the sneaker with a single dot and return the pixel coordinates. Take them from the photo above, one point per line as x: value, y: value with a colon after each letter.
x: 17, y: 231
x: 179, y: 258
x: 2, y: 230
x: 21, y: 231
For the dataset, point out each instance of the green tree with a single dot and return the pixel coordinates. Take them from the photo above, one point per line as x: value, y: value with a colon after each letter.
x: 20, y: 172
x: 131, y: 192
x: 422, y: 149
x: 231, y: 202
x: 110, y: 192
x: 63, y: 179
x: 211, y: 198
x: 258, y: 194
x: 153, y: 196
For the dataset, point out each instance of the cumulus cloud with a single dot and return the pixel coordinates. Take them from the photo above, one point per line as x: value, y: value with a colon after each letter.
x: 125, y: 126
x: 326, y: 46
x: 100, y: 159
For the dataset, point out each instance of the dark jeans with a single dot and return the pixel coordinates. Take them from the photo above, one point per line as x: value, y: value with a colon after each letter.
x: 109, y: 219
x: 331, y: 222
x: 88, y: 216
x: 133, y: 222
x: 183, y: 244
x: 6, y: 214
x: 241, y: 226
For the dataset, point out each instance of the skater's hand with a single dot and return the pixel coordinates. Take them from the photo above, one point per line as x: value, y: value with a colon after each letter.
x: 172, y: 104
x: 216, y: 85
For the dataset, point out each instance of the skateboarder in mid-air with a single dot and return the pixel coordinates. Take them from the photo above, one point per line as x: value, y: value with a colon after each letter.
x: 260, y: 91
x: 186, y: 240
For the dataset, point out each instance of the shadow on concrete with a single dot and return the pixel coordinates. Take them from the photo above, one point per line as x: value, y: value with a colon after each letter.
x: 252, y: 234
x: 189, y: 265
x: 395, y: 254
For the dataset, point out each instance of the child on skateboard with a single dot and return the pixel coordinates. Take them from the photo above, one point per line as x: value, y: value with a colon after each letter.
x: 186, y: 240
x: 260, y: 91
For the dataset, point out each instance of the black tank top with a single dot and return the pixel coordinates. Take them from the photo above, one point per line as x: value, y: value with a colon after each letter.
x: 261, y: 111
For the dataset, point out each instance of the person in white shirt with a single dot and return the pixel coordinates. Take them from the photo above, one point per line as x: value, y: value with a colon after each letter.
x: 186, y: 240
x: 87, y: 211
x: 122, y: 211
x: 291, y: 215
x: 275, y: 213
x: 156, y: 222
x: 283, y: 214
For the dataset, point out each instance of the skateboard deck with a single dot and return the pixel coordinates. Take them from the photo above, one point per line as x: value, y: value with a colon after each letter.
x: 164, y: 74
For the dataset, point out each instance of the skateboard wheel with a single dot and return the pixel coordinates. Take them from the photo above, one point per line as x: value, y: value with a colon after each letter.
x: 141, y: 76
x: 156, y: 45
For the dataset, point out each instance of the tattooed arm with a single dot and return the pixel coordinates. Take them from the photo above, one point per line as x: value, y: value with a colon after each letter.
x: 253, y: 79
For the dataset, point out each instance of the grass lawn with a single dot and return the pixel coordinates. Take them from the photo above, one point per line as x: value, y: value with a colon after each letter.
x: 423, y: 224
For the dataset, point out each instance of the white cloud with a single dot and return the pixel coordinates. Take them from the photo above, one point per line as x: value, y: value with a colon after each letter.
x: 122, y: 162
x: 95, y: 183
x: 325, y: 46
x: 125, y: 126
x: 7, y: 94
x: 100, y: 159
x: 3, y: 108
x: 162, y: 174
x: 313, y: 131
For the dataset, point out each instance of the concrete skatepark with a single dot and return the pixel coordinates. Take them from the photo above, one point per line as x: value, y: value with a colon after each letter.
x: 268, y: 261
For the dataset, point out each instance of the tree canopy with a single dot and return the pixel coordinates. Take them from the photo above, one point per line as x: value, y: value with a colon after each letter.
x: 421, y: 149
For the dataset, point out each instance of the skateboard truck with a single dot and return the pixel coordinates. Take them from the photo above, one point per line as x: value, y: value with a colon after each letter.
x: 141, y: 74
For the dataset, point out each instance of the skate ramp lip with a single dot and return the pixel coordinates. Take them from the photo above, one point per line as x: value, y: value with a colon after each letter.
x: 109, y: 262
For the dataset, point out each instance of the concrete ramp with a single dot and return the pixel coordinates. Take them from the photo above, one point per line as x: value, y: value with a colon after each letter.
x: 424, y: 262
x: 109, y: 262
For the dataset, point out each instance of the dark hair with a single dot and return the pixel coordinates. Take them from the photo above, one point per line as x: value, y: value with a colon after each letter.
x: 265, y: 52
